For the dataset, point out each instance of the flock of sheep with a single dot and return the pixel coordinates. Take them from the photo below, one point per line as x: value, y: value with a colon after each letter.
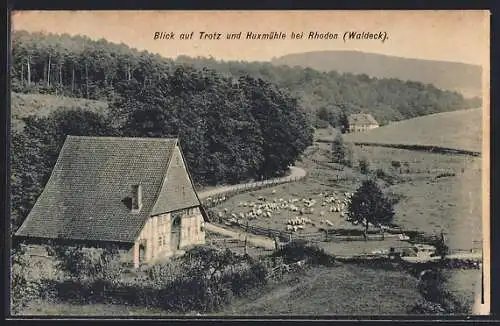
x: 263, y: 207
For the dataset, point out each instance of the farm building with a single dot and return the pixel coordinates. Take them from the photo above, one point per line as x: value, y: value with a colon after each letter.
x: 136, y: 193
x: 361, y: 122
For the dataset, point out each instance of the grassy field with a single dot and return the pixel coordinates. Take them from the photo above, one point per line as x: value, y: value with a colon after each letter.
x: 456, y: 129
x: 43, y: 308
x: 428, y: 202
x: 340, y: 290
x: 464, y: 284
x: 23, y: 105
x: 437, y: 192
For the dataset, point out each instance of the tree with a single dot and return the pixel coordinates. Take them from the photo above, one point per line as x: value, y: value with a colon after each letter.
x: 339, y: 150
x: 442, y: 248
x: 344, y: 122
x: 370, y: 205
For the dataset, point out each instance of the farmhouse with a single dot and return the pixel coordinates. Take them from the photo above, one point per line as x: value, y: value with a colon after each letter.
x: 361, y: 122
x: 132, y: 192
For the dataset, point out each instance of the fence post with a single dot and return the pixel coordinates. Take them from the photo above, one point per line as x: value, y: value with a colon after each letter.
x: 246, y: 237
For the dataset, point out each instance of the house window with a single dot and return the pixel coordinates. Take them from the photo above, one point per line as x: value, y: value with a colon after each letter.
x: 164, y: 240
x: 160, y: 241
x: 176, y: 220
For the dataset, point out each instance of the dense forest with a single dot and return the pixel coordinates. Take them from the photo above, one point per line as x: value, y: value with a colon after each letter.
x: 465, y: 78
x: 81, y: 67
x: 229, y: 129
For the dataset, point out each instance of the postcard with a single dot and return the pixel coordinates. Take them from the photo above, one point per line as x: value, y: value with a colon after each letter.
x: 250, y: 163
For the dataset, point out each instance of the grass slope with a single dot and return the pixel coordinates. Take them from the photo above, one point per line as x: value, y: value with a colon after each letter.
x: 340, y: 290
x: 457, y: 129
x: 24, y: 105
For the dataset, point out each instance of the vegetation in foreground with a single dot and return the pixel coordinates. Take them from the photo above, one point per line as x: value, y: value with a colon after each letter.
x: 203, y: 280
x: 228, y: 284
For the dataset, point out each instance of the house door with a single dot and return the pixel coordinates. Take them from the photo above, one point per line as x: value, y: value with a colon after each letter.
x: 176, y: 231
x: 142, y: 253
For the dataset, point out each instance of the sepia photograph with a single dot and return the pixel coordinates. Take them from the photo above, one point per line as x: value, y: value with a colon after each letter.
x: 249, y: 163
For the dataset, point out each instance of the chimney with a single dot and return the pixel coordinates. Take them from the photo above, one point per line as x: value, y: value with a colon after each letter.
x: 136, y: 198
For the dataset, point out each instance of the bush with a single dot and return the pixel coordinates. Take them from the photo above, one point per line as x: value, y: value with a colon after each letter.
x: 364, y: 166
x: 446, y: 174
x: 380, y: 173
x: 23, y: 289
x: 298, y: 250
x: 79, y: 263
x: 202, y: 280
x: 396, y: 164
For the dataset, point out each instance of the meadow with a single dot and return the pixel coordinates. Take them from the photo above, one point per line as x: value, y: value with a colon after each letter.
x: 456, y: 129
x: 24, y: 105
x: 339, y: 290
x: 434, y: 192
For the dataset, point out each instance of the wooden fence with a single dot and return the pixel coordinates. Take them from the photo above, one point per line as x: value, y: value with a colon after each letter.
x: 214, y: 200
x: 414, y: 147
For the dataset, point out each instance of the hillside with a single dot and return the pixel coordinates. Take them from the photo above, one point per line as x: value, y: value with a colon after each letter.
x: 78, y: 66
x: 24, y: 105
x: 457, y: 130
x: 324, y: 291
x: 456, y: 76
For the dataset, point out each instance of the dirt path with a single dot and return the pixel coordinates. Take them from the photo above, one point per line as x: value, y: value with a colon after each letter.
x: 295, y: 172
x: 255, y: 240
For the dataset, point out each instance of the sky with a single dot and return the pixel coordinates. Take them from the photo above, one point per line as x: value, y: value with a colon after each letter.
x: 460, y: 35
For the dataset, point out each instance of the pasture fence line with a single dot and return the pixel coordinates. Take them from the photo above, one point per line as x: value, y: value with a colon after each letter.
x: 212, y: 201
x: 322, y: 235
x: 414, y: 147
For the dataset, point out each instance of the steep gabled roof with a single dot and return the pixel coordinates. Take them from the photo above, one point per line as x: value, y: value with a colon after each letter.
x: 85, y: 197
x: 177, y: 191
x: 362, y: 118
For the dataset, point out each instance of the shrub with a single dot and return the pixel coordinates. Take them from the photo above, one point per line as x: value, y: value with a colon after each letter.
x: 23, y: 290
x: 78, y: 262
x: 396, y: 164
x: 445, y: 174
x: 298, y: 250
x: 380, y: 173
x: 202, y: 280
x: 364, y: 166
x: 26, y: 286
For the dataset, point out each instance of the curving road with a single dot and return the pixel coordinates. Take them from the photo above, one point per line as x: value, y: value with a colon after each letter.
x: 295, y: 172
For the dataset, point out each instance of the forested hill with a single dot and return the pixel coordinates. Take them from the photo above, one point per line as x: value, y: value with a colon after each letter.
x: 80, y: 67
x: 447, y: 75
